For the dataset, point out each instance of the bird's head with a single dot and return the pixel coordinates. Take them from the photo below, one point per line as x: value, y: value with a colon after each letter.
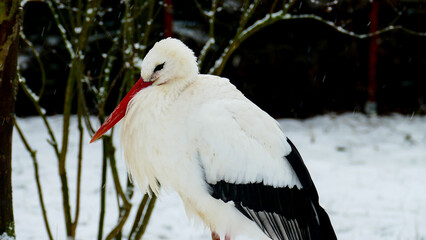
x: 169, y: 62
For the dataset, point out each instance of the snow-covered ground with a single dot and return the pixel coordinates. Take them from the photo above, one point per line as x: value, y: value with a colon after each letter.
x: 370, y: 173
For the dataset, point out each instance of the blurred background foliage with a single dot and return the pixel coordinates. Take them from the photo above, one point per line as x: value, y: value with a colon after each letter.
x: 293, y: 68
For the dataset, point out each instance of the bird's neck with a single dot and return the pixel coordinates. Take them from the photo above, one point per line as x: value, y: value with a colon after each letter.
x: 171, y: 90
x: 156, y: 100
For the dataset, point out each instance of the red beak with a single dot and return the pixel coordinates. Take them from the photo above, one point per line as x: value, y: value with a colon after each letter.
x: 120, y: 110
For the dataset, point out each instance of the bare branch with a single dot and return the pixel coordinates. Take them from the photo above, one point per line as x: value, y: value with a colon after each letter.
x: 83, y: 107
x: 33, y: 98
x: 146, y: 218
x: 138, y: 216
x: 200, y: 8
x: 37, y: 178
x: 103, y: 191
x: 125, y: 208
x: 61, y: 28
x: 148, y: 26
x: 284, y: 15
x: 274, y: 4
x: 209, y: 44
x: 350, y: 33
x: 247, y: 14
x: 40, y: 63
x: 80, y: 159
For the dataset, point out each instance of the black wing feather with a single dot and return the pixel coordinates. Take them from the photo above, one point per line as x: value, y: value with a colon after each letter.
x: 282, y: 213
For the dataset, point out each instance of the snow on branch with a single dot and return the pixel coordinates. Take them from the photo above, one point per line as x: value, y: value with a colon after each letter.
x: 209, y: 44
x: 351, y: 33
x: 61, y: 28
x: 244, y: 32
x: 40, y: 63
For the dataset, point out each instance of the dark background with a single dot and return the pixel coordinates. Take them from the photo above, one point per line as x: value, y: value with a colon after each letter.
x: 293, y: 68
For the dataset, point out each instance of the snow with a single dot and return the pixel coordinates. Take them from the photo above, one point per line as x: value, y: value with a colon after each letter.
x: 4, y: 236
x: 369, y: 172
x: 77, y: 30
x: 67, y: 42
x: 207, y: 46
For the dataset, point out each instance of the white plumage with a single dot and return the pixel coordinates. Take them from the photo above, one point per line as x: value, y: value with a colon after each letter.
x: 190, y: 132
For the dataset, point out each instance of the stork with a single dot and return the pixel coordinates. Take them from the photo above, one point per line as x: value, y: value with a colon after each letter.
x: 228, y: 160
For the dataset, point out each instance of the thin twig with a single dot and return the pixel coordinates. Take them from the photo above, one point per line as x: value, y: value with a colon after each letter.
x: 126, y: 205
x: 83, y: 106
x: 79, y: 168
x: 71, y: 18
x: 138, y: 9
x: 284, y: 15
x: 103, y: 190
x: 209, y: 44
x: 146, y: 218
x: 389, y: 28
x: 41, y: 113
x: 200, y: 8
x: 37, y: 178
x: 40, y: 63
x: 247, y: 14
x: 62, y: 30
x: 148, y: 26
x: 69, y: 93
x: 75, y: 74
x: 138, y: 216
x: 274, y: 4
x: 248, y: 10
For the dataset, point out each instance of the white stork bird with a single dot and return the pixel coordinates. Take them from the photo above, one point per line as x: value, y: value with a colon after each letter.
x: 229, y: 161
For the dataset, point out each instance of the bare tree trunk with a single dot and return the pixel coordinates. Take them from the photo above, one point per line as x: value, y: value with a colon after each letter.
x: 9, y: 28
x: 168, y: 18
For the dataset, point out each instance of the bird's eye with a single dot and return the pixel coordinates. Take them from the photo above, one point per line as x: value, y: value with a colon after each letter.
x: 159, y: 67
